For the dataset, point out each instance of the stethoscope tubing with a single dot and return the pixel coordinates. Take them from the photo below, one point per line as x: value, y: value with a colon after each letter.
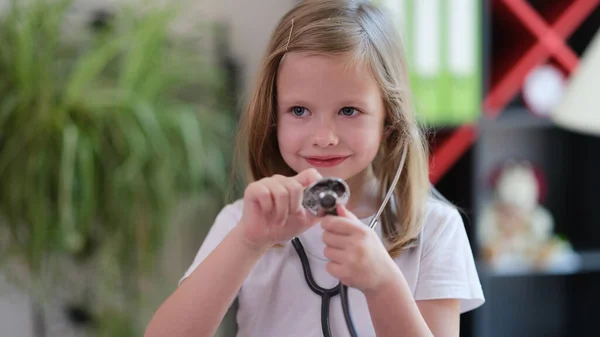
x: 326, y: 294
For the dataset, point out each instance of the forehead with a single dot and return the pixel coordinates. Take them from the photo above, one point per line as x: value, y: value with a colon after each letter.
x: 325, y: 76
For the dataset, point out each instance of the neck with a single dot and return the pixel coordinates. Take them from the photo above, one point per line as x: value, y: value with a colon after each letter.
x: 363, y: 194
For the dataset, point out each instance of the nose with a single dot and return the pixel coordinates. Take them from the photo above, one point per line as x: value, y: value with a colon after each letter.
x: 325, y: 133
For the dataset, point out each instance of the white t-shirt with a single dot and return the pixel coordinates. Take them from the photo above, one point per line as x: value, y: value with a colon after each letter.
x: 275, y: 300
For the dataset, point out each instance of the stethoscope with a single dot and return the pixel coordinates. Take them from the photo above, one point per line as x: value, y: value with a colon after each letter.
x: 321, y: 198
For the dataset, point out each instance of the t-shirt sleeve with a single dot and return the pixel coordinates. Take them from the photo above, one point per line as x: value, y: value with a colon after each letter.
x: 447, y: 267
x: 224, y: 222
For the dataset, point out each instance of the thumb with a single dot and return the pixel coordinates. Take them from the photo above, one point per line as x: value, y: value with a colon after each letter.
x: 308, y: 176
x: 344, y: 212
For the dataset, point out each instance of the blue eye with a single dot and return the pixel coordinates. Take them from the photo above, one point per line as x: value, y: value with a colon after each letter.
x: 298, y: 111
x: 348, y: 111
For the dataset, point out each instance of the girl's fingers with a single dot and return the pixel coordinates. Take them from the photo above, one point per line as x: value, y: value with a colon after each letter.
x: 344, y: 212
x: 334, y: 254
x: 307, y: 177
x: 334, y: 240
x: 280, y: 197
x: 259, y: 193
x: 338, y: 225
x: 336, y: 270
x: 296, y: 191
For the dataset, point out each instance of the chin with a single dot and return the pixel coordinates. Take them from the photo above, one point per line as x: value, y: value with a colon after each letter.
x: 336, y: 172
x: 333, y: 173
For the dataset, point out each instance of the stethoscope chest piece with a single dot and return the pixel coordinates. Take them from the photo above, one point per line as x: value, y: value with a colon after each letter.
x: 322, y: 196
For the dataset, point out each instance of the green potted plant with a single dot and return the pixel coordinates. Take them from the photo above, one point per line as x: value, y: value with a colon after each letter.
x: 102, y: 133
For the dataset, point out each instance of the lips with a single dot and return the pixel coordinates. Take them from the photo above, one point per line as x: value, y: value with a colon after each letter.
x: 326, y: 161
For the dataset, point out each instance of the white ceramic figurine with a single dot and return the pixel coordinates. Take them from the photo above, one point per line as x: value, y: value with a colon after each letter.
x: 515, y: 231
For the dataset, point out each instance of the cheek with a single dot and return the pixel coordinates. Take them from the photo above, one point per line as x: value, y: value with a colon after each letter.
x: 288, y: 139
x: 365, y: 140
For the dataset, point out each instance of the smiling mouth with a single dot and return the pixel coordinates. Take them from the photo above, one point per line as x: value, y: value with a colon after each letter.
x: 326, y: 161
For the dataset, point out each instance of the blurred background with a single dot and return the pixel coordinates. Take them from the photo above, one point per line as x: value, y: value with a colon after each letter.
x: 117, y: 120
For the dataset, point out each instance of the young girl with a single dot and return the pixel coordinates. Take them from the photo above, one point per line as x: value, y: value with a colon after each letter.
x: 332, y: 99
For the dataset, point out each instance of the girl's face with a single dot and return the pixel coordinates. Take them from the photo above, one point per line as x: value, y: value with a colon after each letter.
x: 329, y: 116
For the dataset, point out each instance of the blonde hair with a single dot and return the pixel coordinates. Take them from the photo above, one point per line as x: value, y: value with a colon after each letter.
x: 364, y: 31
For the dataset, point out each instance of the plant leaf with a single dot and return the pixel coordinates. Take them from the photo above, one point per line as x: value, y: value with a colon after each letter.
x: 87, y: 69
x: 72, y: 239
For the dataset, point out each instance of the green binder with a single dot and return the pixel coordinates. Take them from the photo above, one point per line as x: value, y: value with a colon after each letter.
x: 425, y: 33
x: 463, y: 60
x: 443, y: 49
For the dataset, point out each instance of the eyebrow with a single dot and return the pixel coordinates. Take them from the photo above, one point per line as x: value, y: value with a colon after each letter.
x: 354, y: 102
x: 289, y: 100
x: 292, y: 101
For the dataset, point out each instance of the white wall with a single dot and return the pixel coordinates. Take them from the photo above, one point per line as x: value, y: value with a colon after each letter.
x: 251, y: 24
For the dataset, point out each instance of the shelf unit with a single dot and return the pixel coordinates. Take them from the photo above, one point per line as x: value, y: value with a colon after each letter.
x: 543, y: 29
x: 518, y: 36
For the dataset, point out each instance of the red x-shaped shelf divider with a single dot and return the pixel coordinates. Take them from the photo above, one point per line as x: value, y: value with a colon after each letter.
x: 551, y: 42
x: 551, y: 39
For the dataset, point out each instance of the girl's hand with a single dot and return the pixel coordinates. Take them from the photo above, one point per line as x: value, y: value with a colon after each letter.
x: 358, y: 257
x: 273, y: 210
